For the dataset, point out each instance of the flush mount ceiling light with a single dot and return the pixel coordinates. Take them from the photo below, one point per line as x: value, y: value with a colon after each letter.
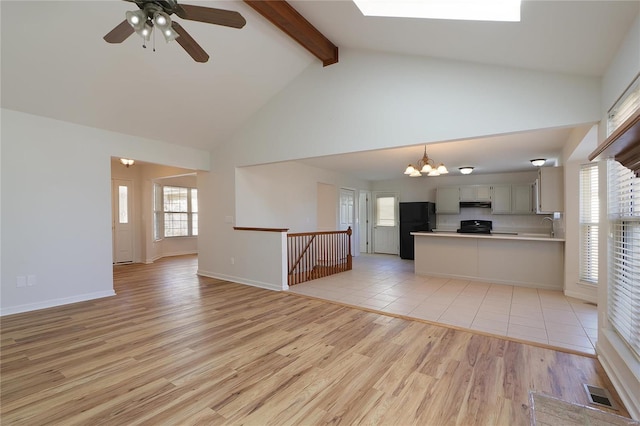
x: 466, y: 170
x: 425, y: 165
x: 127, y: 162
x: 539, y: 162
x: 476, y: 10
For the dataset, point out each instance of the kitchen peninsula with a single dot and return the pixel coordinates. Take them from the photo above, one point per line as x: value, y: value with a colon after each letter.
x: 526, y: 260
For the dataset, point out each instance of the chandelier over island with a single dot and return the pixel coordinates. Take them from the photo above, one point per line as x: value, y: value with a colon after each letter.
x: 425, y: 165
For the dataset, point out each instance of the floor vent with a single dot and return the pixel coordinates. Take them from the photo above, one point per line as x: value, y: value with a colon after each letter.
x: 599, y: 396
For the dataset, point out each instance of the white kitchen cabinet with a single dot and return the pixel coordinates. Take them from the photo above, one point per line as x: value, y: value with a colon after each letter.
x: 448, y: 199
x: 501, y: 203
x: 550, y: 190
x: 512, y: 199
x: 475, y: 193
x: 522, y: 199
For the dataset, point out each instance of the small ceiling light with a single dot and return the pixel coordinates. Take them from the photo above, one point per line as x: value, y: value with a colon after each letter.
x: 425, y: 165
x: 127, y: 162
x: 539, y: 162
x: 466, y: 170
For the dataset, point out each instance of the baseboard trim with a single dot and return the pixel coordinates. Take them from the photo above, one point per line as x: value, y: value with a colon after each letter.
x: 619, y: 368
x: 557, y: 287
x: 239, y: 280
x: 55, y: 302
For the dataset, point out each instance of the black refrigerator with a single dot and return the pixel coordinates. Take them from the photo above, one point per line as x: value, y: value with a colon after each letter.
x: 418, y: 216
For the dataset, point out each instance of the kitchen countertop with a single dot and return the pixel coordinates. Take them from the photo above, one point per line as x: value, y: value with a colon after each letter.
x: 494, y: 236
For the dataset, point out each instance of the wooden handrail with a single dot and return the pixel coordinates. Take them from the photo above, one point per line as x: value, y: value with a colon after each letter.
x: 243, y: 228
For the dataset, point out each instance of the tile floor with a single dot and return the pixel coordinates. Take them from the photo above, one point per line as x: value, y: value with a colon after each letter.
x: 386, y: 283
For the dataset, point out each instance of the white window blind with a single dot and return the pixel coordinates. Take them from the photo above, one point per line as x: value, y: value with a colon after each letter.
x: 624, y: 254
x: 624, y: 108
x: 157, y: 212
x: 589, y: 223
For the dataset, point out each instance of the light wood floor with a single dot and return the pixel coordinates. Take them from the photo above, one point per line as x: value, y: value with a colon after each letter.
x: 173, y: 348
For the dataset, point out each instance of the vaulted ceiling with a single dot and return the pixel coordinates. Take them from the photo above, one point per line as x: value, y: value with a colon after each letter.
x: 56, y: 64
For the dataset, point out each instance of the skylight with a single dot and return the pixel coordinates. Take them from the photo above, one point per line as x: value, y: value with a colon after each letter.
x: 470, y: 10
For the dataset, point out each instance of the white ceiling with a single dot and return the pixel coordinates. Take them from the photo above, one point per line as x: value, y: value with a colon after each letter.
x: 56, y: 64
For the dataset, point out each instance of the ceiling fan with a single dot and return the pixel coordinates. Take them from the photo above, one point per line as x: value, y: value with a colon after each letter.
x: 156, y: 14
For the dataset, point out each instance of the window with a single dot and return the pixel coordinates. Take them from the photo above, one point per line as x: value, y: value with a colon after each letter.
x: 624, y: 107
x: 589, y: 220
x: 624, y: 254
x: 175, y: 211
x: 157, y: 212
x: 386, y: 211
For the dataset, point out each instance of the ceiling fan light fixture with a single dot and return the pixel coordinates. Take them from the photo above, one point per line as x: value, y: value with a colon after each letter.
x: 466, y: 170
x: 137, y: 19
x: 169, y: 34
x: 538, y: 162
x: 162, y: 20
x: 145, y: 32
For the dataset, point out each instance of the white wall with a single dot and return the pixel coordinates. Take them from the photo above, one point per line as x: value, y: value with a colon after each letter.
x: 56, y: 206
x: 376, y: 100
x: 285, y: 195
x: 620, y: 364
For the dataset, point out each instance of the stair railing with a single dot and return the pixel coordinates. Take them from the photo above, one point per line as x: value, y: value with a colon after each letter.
x: 319, y: 254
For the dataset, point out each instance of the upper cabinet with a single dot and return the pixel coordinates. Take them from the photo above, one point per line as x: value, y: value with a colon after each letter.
x: 448, y: 199
x: 475, y: 193
x: 522, y: 199
x: 550, y: 190
x: 512, y: 199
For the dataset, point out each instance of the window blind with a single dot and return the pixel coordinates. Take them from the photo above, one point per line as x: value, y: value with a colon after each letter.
x: 624, y: 254
x: 589, y: 223
x: 628, y: 103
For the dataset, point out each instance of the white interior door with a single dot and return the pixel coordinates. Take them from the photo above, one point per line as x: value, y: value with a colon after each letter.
x: 347, y: 208
x: 122, y: 222
x: 385, y: 228
x: 363, y: 222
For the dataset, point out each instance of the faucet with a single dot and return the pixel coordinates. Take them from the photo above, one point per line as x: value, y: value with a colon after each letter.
x: 553, y: 233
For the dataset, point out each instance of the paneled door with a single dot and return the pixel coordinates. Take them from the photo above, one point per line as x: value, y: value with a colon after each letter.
x: 347, y: 208
x: 122, y: 221
x: 385, y: 227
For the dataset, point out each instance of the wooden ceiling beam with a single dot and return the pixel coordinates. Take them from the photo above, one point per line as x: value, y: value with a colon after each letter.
x: 284, y: 16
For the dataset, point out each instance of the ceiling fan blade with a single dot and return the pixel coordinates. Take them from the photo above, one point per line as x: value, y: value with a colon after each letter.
x: 210, y: 15
x: 189, y: 44
x: 119, y: 33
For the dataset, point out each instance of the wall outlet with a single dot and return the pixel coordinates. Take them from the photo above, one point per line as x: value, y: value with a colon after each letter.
x: 21, y: 281
x: 31, y: 280
x: 233, y: 260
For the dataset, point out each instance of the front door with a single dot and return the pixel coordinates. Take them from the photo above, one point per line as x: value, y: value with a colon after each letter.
x: 385, y: 229
x: 122, y: 226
